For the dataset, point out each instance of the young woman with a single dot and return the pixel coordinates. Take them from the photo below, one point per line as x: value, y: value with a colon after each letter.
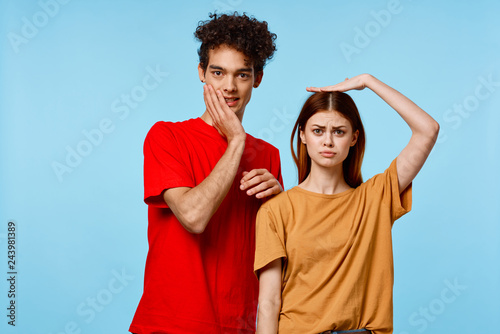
x: 324, y: 247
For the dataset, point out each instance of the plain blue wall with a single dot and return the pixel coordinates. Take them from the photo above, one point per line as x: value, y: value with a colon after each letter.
x: 67, y: 66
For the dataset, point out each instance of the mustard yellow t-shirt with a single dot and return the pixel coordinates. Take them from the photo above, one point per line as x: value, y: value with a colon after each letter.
x: 337, y: 254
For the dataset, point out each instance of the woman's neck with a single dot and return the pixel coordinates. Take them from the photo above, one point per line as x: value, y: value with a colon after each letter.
x: 325, y: 180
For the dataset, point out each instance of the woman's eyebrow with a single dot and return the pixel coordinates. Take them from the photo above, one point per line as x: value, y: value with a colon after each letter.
x: 335, y: 127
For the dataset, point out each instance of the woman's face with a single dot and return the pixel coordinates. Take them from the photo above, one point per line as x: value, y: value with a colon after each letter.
x: 328, y: 135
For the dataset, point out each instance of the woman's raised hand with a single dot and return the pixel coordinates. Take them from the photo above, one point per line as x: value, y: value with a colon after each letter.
x: 424, y: 128
x: 355, y: 83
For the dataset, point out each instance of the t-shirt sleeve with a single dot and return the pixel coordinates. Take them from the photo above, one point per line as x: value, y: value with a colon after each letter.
x: 269, y: 237
x: 388, y: 185
x: 164, y: 165
x: 279, y: 177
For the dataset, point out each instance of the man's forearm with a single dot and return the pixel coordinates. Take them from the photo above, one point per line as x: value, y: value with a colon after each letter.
x: 194, y: 207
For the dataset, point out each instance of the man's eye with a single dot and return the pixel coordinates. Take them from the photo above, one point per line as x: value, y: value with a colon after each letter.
x: 217, y: 73
x: 244, y: 75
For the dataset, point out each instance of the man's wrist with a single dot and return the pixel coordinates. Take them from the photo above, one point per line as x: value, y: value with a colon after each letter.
x: 238, y: 141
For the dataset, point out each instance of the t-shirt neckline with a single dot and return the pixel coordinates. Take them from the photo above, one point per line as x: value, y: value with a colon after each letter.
x: 210, y: 129
x: 328, y: 196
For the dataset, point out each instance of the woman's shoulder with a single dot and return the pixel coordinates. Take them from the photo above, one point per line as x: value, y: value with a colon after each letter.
x: 378, y: 182
x: 284, y: 199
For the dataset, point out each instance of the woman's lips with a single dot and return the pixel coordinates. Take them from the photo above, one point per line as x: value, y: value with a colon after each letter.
x: 327, y: 154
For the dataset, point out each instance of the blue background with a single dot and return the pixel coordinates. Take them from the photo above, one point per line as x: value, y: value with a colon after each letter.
x: 66, y: 67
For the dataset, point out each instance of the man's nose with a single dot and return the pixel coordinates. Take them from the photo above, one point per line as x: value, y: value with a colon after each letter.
x: 229, y: 84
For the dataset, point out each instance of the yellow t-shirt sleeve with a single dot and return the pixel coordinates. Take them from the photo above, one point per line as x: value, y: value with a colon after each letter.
x: 400, y: 204
x: 269, y: 236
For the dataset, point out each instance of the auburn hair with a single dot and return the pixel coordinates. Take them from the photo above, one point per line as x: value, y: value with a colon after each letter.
x: 343, y: 104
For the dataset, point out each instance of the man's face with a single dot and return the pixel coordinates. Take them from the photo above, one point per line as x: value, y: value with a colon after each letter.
x: 229, y: 71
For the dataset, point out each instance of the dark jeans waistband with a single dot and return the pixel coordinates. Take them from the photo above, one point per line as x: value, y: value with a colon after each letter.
x: 364, y: 331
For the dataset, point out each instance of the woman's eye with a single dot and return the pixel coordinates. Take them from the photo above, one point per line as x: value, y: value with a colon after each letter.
x: 317, y: 131
x: 339, y: 132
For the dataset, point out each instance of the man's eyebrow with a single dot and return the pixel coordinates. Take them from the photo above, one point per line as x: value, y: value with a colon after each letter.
x: 215, y: 67
x: 244, y: 69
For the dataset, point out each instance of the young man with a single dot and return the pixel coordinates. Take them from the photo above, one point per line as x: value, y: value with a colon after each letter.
x: 205, y: 179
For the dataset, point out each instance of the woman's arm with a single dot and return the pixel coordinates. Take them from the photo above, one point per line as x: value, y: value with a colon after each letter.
x: 424, y: 128
x: 269, y: 298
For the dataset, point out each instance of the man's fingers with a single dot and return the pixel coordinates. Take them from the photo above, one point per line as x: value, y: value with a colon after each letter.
x: 214, y: 100
x: 260, y: 182
x: 212, y: 110
x: 222, y: 103
x: 218, y: 102
x: 219, y: 108
x: 252, y: 182
x: 248, y: 175
x: 268, y: 192
x: 259, y: 187
x: 254, y: 177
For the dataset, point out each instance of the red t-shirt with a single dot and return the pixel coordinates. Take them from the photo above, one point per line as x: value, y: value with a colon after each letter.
x: 199, y: 283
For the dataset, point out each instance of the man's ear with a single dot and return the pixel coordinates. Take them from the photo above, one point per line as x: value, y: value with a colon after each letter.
x: 201, y: 73
x: 258, y: 79
x: 354, y: 138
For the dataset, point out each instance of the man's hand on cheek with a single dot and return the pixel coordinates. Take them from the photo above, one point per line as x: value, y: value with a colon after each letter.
x: 223, y: 118
x: 261, y: 183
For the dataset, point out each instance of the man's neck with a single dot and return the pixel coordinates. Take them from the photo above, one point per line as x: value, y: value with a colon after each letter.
x: 208, y: 119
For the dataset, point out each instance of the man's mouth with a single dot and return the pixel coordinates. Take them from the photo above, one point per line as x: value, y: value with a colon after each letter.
x: 231, y: 101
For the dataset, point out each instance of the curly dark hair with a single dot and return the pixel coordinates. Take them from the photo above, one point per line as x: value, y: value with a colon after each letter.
x: 245, y: 34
